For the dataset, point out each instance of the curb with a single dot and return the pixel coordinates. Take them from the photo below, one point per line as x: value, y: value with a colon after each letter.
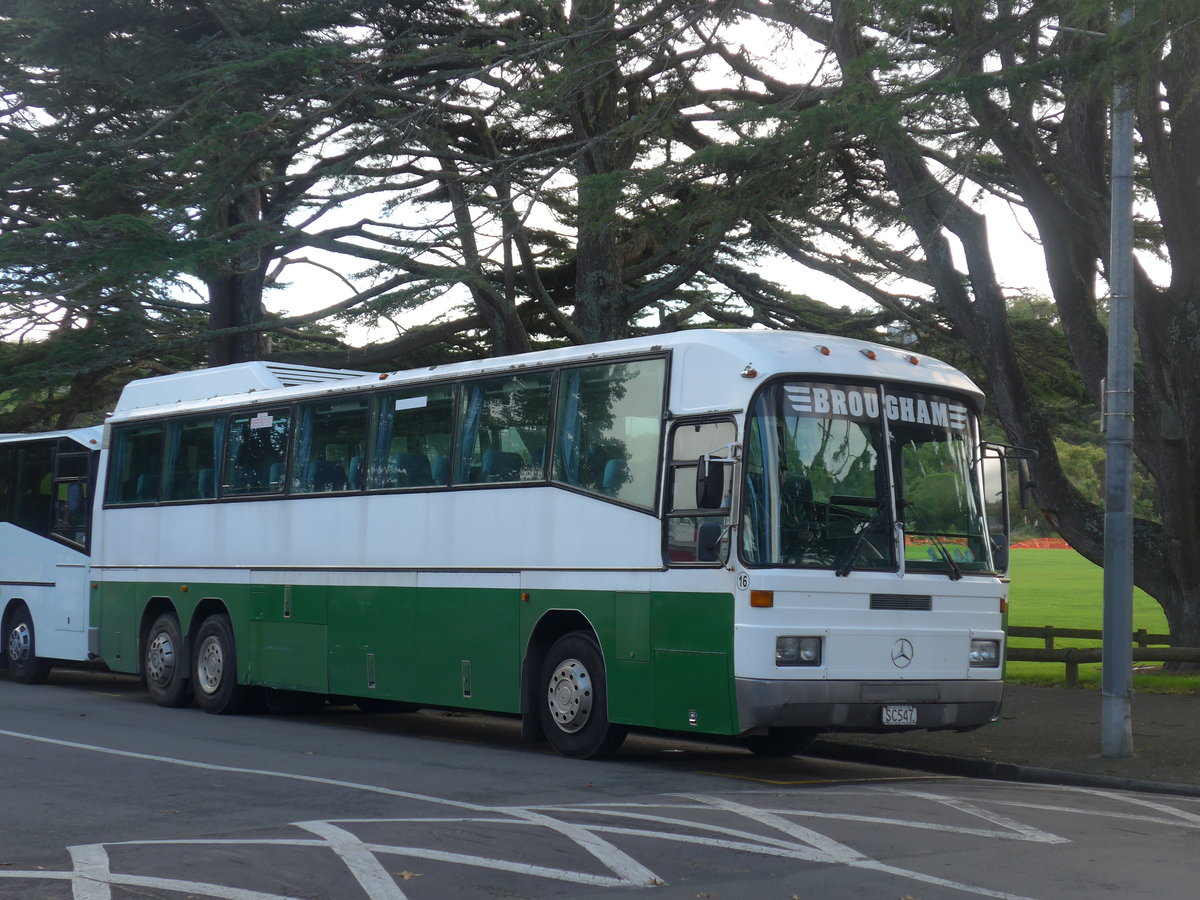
x: 971, y: 767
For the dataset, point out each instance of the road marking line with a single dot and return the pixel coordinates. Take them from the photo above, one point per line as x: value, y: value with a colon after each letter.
x: 826, y: 781
x: 366, y: 868
x: 219, y: 891
x: 1005, y: 834
x: 483, y: 862
x: 841, y: 852
x: 1099, y: 813
x: 1027, y: 831
x: 502, y: 865
x: 628, y: 870
x: 753, y: 842
x: 91, y: 872
x: 238, y: 770
x: 874, y: 866
x: 1190, y: 818
x: 625, y: 866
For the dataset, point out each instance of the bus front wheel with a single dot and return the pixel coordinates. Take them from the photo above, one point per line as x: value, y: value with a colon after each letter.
x: 214, y: 669
x: 162, y: 661
x: 23, y: 661
x: 574, y: 707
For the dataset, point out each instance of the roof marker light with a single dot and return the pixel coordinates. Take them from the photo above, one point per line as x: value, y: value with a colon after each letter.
x: 383, y: 376
x: 749, y: 371
x: 913, y: 360
x: 822, y: 349
x: 867, y: 352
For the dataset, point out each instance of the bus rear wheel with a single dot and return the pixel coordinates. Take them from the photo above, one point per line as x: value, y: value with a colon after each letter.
x: 214, y: 669
x: 574, y: 707
x: 23, y: 661
x: 162, y: 662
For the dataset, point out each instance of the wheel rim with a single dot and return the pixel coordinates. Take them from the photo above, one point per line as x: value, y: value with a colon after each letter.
x: 570, y: 695
x: 160, y: 659
x: 20, y: 644
x: 210, y: 665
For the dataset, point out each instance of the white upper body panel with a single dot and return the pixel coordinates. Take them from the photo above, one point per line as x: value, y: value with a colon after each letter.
x: 713, y: 370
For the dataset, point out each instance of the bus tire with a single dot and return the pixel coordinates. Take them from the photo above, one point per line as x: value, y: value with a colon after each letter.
x: 781, y: 742
x: 163, y: 663
x: 21, y: 646
x: 573, y: 700
x: 214, y: 669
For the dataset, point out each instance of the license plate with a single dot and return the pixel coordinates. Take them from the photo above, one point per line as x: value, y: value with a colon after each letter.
x: 899, y: 715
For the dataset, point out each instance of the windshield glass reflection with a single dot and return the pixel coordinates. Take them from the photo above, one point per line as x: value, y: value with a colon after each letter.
x: 819, y: 459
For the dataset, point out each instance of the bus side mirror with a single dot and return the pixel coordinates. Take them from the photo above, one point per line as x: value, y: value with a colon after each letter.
x: 710, y: 483
x: 1000, y: 551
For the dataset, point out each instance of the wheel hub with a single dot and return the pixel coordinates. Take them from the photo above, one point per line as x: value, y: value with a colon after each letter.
x: 160, y: 659
x: 210, y: 665
x: 570, y: 695
x: 20, y: 644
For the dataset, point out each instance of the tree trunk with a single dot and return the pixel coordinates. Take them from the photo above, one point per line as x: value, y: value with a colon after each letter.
x: 599, y: 289
x: 235, y: 299
x: 235, y: 290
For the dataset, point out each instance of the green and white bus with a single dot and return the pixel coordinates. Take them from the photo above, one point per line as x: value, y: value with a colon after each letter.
x: 753, y: 534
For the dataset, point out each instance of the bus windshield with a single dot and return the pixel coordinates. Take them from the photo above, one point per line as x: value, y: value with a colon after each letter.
x: 828, y: 467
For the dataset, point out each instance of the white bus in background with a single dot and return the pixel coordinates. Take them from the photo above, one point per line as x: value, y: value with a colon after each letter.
x: 758, y: 535
x: 45, y: 530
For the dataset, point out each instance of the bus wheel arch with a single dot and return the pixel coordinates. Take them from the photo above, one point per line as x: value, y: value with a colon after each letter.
x: 165, y: 661
x: 571, y: 697
x: 20, y: 645
x: 214, y: 663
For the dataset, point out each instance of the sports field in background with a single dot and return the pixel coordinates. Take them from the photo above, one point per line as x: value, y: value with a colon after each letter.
x: 1061, y: 588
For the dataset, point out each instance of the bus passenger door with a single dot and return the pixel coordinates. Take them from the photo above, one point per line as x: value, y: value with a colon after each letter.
x: 288, y: 624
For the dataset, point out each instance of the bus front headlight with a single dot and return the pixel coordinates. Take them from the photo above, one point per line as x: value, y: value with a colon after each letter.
x: 985, y: 654
x: 797, y: 651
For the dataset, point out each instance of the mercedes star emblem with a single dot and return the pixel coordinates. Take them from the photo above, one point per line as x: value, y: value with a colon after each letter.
x: 902, y: 653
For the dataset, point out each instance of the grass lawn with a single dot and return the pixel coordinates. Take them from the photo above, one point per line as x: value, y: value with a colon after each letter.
x: 1061, y: 588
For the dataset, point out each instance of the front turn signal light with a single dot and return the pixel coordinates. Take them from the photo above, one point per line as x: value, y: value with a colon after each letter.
x: 762, y: 599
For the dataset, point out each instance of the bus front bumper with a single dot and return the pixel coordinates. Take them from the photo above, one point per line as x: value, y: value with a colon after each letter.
x: 859, y: 705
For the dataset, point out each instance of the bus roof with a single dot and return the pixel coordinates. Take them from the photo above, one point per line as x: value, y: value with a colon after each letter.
x: 88, y: 438
x: 710, y: 365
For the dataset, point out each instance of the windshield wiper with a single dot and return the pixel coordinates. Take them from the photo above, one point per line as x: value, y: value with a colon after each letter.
x: 955, y: 572
x: 850, y: 557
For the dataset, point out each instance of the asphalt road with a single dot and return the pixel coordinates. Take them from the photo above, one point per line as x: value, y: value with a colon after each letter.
x: 107, y: 797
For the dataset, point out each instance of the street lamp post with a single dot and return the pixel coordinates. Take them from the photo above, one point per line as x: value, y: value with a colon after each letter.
x: 1117, y: 676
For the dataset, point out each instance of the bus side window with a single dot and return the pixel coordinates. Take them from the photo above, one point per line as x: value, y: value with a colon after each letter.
x: 503, y: 429
x: 135, y: 464
x: 256, y: 452
x: 330, y: 443
x: 7, y: 483
x: 72, y: 493
x: 411, y: 448
x: 193, y: 454
x: 33, y: 500
x: 609, y: 428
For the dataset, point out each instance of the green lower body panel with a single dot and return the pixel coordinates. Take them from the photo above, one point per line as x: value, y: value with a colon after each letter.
x: 668, y: 656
